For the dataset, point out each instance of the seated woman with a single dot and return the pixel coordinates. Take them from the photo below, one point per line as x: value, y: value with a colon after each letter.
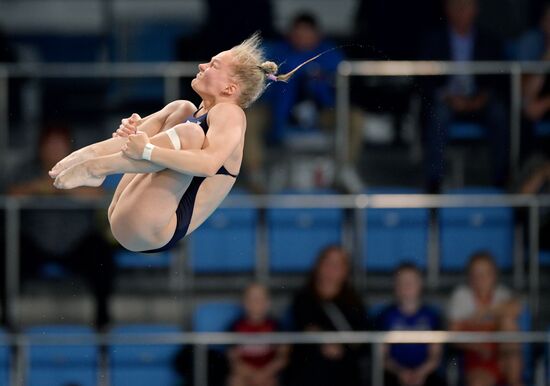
x: 485, y: 305
x: 328, y: 302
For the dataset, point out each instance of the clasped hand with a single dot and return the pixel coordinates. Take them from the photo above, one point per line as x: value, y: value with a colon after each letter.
x: 135, y: 144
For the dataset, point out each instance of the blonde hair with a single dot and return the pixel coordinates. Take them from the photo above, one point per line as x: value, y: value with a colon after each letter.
x: 253, y: 72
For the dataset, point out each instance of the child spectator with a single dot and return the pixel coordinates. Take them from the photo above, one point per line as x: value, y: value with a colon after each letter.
x: 410, y: 364
x: 256, y: 365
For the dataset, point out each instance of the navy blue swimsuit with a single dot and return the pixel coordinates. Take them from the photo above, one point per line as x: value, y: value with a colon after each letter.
x: 185, y: 207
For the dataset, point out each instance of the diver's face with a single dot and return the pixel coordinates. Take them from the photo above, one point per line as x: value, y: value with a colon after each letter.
x: 215, y: 77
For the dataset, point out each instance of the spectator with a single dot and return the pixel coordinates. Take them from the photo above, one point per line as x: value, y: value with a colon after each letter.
x: 256, y: 365
x: 486, y: 305
x: 410, y: 364
x: 306, y: 102
x: 462, y: 96
x: 328, y: 302
x: 67, y: 238
x: 535, y: 45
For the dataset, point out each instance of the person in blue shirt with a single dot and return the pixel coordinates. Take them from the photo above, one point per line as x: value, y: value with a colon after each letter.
x: 410, y: 364
x: 305, y: 104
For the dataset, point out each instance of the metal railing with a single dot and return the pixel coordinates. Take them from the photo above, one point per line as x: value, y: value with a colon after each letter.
x: 357, y: 203
x: 172, y: 72
x: 514, y: 70
x: 201, y: 341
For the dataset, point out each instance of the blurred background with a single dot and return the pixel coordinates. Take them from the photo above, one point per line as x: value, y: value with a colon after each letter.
x: 399, y: 182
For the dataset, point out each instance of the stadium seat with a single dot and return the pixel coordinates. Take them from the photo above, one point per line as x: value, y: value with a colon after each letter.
x: 296, y: 236
x: 62, y: 365
x: 226, y: 242
x: 144, y: 364
x: 542, y: 129
x: 466, y: 230
x: 215, y: 316
x: 134, y: 260
x: 111, y: 182
x: 5, y: 359
x: 544, y: 258
x: 394, y: 236
x: 466, y: 131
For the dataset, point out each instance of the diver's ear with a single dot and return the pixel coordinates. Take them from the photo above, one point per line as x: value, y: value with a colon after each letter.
x: 230, y: 89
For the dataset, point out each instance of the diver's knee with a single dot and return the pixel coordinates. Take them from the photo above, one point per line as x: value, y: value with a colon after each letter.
x: 188, y: 135
x: 180, y: 108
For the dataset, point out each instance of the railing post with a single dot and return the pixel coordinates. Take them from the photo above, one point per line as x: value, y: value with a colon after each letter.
x: 4, y: 121
x: 377, y: 364
x: 262, y: 273
x: 200, y: 365
x: 171, y: 86
x: 12, y: 260
x: 360, y: 229
x: 434, y: 252
x: 534, y: 256
x: 515, y: 118
x: 21, y: 364
x: 342, y: 114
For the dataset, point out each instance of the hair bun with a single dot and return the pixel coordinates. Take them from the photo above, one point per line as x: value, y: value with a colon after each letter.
x: 269, y: 68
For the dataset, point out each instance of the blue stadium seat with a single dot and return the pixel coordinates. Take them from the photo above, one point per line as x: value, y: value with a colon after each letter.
x: 464, y: 231
x: 394, y: 236
x: 215, y: 316
x: 62, y: 365
x: 542, y: 129
x: 111, y: 182
x: 144, y: 364
x: 5, y: 359
x: 466, y: 131
x: 226, y: 242
x: 296, y: 236
x: 54, y: 271
x: 133, y: 260
x: 544, y: 258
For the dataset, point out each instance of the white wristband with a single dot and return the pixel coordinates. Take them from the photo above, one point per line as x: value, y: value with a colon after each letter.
x: 147, y: 151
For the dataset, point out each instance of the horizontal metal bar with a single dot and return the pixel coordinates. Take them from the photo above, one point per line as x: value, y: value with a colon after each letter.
x: 359, y: 201
x: 423, y: 68
x: 280, y: 338
x: 353, y: 68
x: 100, y: 70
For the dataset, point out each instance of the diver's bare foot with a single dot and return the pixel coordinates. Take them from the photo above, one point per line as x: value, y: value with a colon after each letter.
x: 81, y: 174
x: 72, y: 159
